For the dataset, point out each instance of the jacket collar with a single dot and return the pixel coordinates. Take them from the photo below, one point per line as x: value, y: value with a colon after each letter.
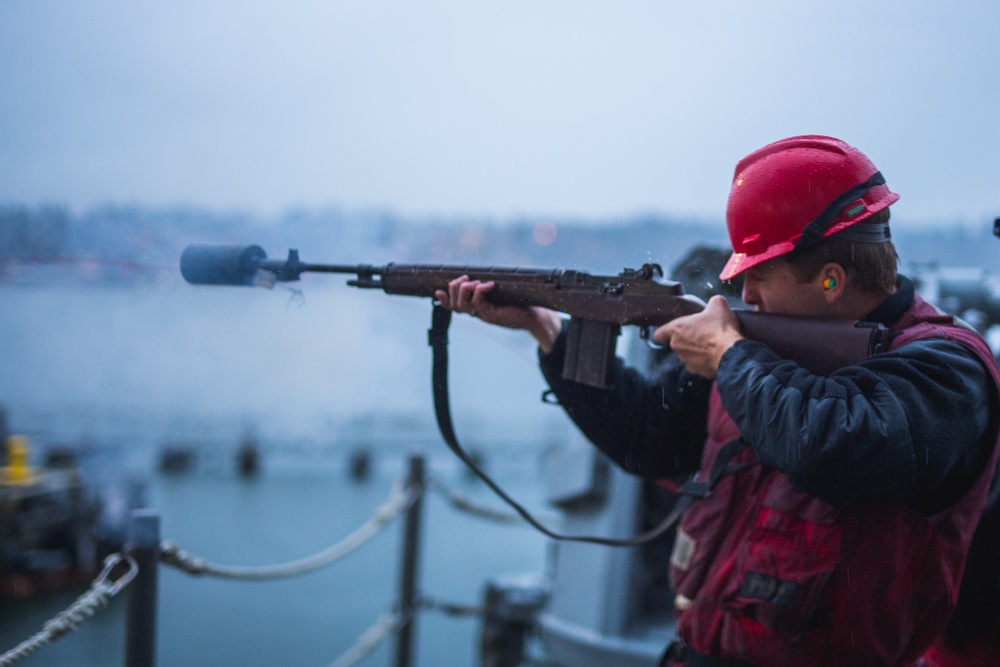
x: 889, y: 311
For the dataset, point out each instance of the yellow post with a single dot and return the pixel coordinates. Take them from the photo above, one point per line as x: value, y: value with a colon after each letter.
x: 18, y: 471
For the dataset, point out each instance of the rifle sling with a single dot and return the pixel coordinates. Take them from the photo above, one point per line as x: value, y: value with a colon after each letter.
x: 437, y: 337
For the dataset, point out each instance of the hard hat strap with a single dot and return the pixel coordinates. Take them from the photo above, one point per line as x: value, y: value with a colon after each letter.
x: 815, y: 230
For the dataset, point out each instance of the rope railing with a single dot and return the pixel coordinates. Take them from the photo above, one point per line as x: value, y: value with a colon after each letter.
x: 404, y: 496
x: 399, y: 501
x: 450, y: 608
x: 464, y: 504
x: 388, y: 624
x: 93, y: 600
x: 368, y: 641
x: 102, y: 589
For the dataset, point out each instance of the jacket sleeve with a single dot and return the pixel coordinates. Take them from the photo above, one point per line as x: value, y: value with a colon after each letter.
x: 910, y: 423
x: 651, y: 425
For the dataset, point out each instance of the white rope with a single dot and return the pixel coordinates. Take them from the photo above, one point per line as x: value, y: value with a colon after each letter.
x: 93, y: 600
x: 386, y: 625
x: 451, y: 608
x: 464, y: 504
x: 399, y: 500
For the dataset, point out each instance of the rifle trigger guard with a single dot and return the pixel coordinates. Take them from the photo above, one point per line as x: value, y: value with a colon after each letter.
x: 646, y: 334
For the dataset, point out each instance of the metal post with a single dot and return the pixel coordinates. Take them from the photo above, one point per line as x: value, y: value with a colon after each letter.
x: 408, y: 574
x: 140, y: 615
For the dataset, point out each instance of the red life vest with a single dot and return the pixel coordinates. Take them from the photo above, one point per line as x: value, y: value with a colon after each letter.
x: 773, y: 576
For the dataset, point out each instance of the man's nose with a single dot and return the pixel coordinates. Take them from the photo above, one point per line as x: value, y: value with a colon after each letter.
x: 750, y: 295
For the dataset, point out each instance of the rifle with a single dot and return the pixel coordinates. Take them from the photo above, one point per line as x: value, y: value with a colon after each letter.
x: 598, y: 306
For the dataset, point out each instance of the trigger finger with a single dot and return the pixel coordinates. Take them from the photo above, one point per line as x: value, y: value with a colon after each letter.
x: 663, y: 334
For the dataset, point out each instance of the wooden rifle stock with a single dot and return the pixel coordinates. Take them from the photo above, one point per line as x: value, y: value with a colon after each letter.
x: 821, y: 346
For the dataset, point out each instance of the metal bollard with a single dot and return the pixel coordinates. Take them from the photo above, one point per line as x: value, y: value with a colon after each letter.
x: 140, y: 614
x: 408, y: 574
x: 511, y: 605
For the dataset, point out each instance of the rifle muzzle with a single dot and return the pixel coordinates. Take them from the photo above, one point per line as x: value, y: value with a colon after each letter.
x: 221, y: 264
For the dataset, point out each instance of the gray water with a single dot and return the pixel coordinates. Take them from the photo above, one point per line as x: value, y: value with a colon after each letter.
x: 120, y: 373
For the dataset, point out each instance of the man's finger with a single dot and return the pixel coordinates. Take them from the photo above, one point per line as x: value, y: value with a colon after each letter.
x: 663, y: 334
x: 466, y: 291
x: 454, y: 290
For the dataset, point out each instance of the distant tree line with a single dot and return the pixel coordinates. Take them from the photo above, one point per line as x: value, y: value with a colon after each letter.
x: 134, y: 244
x: 37, y: 232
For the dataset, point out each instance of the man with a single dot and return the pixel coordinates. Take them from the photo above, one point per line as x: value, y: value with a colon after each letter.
x: 839, y: 509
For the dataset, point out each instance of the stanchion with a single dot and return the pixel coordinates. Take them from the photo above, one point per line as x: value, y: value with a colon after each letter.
x: 408, y: 574
x: 140, y: 616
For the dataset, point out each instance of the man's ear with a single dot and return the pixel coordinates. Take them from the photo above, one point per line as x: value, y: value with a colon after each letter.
x: 832, y: 280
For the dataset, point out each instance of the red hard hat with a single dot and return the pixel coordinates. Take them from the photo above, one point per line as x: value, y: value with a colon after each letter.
x: 796, y: 191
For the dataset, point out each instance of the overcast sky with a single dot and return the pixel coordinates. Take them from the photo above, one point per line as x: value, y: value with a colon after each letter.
x: 489, y: 108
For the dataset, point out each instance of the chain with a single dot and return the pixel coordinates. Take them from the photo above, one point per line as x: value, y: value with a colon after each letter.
x: 96, y: 598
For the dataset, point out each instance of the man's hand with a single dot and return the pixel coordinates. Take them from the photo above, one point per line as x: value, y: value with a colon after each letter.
x: 469, y: 296
x: 701, y: 339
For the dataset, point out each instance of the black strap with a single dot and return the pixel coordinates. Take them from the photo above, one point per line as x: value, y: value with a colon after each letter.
x: 438, y: 339
x: 722, y: 467
x: 814, y: 230
x: 679, y: 652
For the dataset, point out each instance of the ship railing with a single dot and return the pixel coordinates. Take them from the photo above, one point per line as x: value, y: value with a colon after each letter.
x: 138, y: 567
